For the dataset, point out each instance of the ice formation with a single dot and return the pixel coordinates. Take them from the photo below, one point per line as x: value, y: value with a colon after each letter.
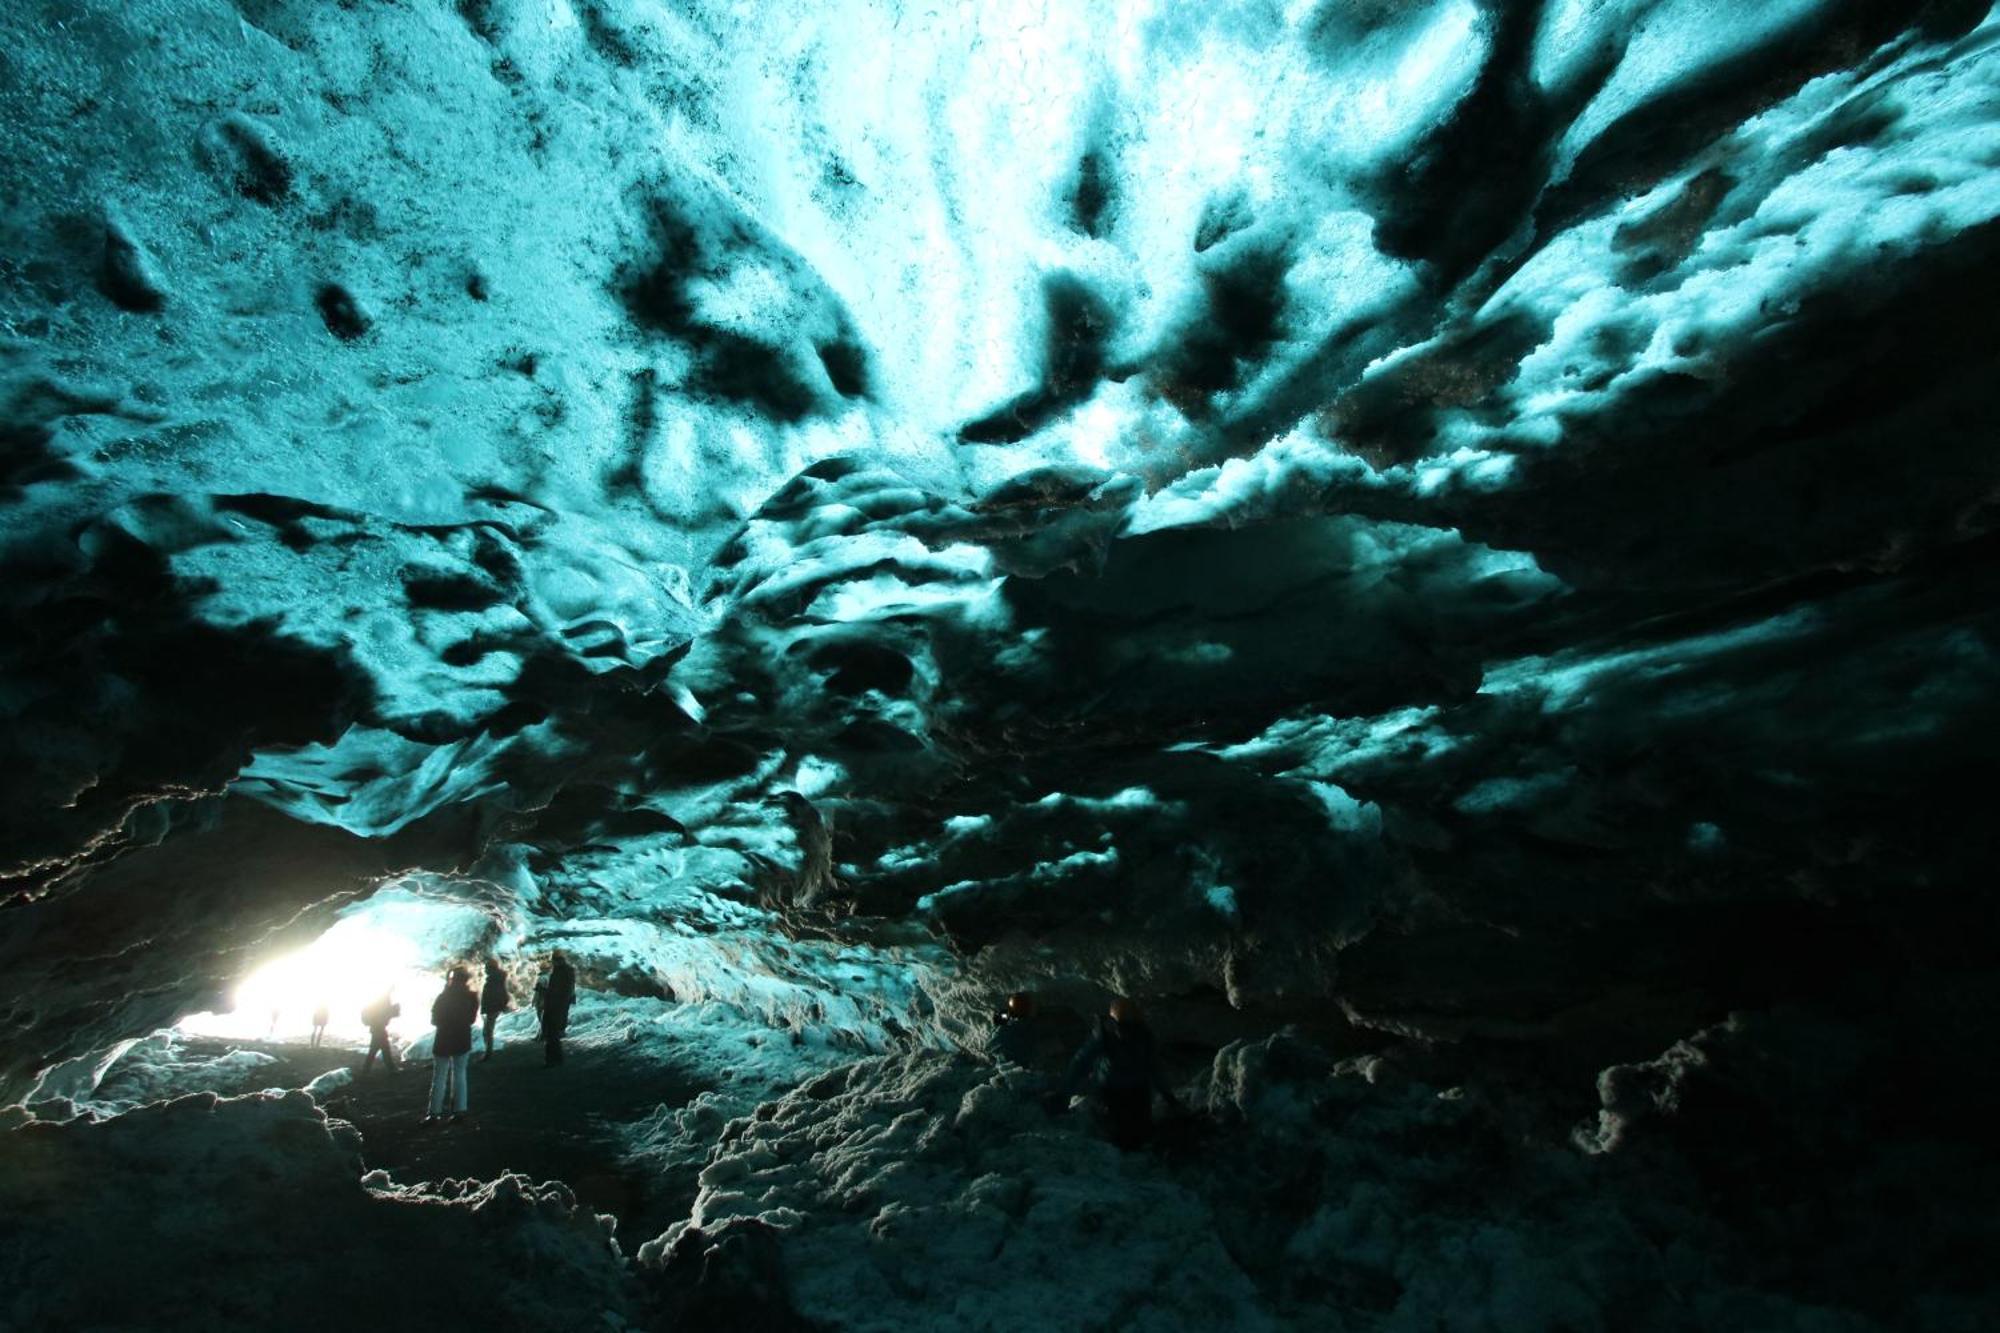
x: 1446, y: 547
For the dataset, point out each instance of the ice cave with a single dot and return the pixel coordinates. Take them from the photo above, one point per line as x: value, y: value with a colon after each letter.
x: 1001, y: 665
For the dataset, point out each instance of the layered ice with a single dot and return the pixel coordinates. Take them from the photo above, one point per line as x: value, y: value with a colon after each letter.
x: 1454, y: 526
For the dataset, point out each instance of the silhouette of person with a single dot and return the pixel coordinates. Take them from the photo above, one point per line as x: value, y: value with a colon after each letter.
x: 376, y: 1015
x: 1125, y: 1048
x: 556, y: 1002
x: 320, y: 1015
x: 452, y: 1013
x: 493, y: 1002
x: 1017, y: 1032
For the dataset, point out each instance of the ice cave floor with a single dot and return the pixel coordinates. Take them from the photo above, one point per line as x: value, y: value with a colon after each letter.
x: 675, y: 1181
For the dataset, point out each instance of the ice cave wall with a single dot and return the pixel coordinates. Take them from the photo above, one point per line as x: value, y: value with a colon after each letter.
x: 1473, y: 520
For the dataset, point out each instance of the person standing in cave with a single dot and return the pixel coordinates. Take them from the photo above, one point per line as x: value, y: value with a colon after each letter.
x: 452, y: 1013
x: 1017, y: 1032
x: 377, y: 1015
x: 320, y: 1015
x: 1125, y: 1048
x: 493, y: 1002
x: 556, y: 1001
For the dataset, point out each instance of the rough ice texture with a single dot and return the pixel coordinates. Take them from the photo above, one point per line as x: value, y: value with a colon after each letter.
x: 1217, y: 487
x: 1457, y: 521
x: 1354, y: 1194
x: 253, y: 1212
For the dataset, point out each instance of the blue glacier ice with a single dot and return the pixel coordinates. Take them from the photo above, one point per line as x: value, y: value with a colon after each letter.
x: 1446, y: 548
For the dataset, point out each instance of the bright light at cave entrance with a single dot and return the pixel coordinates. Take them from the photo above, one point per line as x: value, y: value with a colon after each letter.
x: 394, y: 941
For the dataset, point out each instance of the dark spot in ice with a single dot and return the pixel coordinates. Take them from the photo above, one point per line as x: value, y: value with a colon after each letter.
x: 28, y: 426
x: 742, y: 369
x: 287, y: 514
x: 1221, y: 217
x: 659, y: 295
x: 342, y: 314
x: 498, y: 561
x: 1079, y: 327
x: 859, y: 666
x: 515, y: 716
x: 1240, y: 317
x: 494, y: 493
x: 1467, y: 183
x: 1090, y: 196
x: 716, y: 758
x: 846, y: 367
x: 605, y: 37
x: 1078, y: 330
x: 257, y: 168
x: 655, y: 292
x: 479, y: 18
x: 434, y: 590
x: 126, y: 275
x: 642, y: 416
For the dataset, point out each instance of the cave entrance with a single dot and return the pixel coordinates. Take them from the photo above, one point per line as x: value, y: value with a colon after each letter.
x: 399, y: 940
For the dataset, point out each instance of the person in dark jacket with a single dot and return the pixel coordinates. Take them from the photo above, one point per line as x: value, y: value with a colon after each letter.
x: 376, y: 1015
x: 1017, y: 1032
x: 1124, y: 1047
x: 493, y: 1002
x: 452, y: 1013
x: 556, y: 1001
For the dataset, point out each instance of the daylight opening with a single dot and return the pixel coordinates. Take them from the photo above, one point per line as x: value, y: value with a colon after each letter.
x: 398, y: 940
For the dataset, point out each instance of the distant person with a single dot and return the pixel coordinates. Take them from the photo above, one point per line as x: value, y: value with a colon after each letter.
x: 541, y: 1000
x: 561, y: 994
x: 274, y: 1022
x: 493, y: 1002
x: 1017, y: 1032
x: 320, y: 1015
x: 452, y: 1013
x: 377, y: 1015
x: 1124, y: 1047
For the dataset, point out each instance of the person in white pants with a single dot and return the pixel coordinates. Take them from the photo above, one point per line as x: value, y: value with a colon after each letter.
x: 448, y: 1080
x: 452, y: 1014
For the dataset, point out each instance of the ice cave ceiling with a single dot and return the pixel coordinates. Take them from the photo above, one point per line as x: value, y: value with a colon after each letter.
x: 1470, y: 519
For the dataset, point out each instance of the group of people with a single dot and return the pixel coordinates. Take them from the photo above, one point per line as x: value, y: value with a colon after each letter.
x: 1122, y: 1057
x: 453, y: 1013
